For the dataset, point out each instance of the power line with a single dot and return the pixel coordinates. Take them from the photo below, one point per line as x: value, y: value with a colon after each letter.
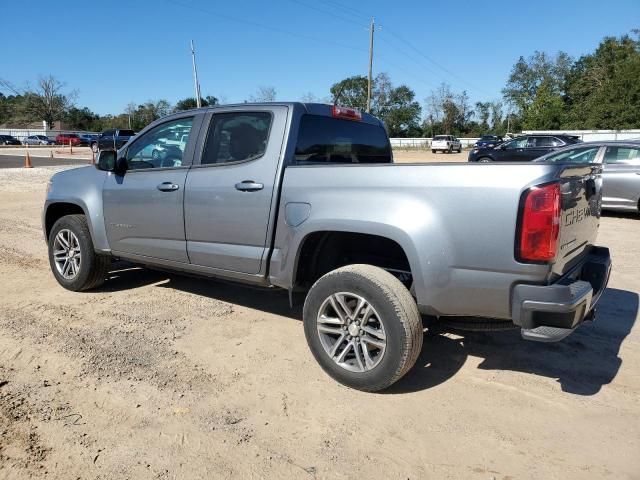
x: 410, y: 45
x: 346, y: 9
x: 264, y: 26
x: 331, y: 14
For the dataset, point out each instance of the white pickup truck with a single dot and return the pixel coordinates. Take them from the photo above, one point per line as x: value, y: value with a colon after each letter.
x: 445, y: 143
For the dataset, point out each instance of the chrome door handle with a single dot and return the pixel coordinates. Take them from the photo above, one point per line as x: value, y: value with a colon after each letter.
x: 168, y: 187
x: 249, y: 186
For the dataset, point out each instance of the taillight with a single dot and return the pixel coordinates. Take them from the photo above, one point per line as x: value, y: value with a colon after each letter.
x: 540, y: 224
x: 346, y: 112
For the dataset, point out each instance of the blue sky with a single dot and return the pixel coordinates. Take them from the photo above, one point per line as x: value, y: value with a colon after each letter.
x: 133, y: 51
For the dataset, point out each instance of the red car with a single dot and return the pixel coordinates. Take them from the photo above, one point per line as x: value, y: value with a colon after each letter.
x: 68, y: 138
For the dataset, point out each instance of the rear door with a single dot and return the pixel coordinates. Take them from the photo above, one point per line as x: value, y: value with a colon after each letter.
x: 621, y: 177
x: 143, y: 209
x: 229, y: 192
x: 538, y: 146
x: 512, y: 151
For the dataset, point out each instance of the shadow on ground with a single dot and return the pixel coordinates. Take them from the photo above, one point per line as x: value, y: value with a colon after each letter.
x: 582, y: 363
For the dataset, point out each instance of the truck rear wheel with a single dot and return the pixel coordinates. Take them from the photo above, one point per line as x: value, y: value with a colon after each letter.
x: 72, y: 257
x: 363, y: 327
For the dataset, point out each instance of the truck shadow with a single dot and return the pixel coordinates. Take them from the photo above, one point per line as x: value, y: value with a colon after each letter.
x: 125, y: 276
x: 582, y: 363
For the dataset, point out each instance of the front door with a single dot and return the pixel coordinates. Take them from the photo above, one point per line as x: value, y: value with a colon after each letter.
x: 621, y: 177
x: 143, y: 209
x: 229, y: 195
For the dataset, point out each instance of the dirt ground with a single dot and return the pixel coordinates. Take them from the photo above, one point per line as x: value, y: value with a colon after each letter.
x: 157, y: 376
x: 417, y: 155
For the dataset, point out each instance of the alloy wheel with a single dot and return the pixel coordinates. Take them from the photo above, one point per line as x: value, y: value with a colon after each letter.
x: 351, y: 332
x: 66, y: 254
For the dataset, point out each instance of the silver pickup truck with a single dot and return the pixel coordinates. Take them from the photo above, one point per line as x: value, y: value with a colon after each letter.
x: 306, y: 197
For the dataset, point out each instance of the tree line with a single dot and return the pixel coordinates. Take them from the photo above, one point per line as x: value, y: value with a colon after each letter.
x: 599, y: 90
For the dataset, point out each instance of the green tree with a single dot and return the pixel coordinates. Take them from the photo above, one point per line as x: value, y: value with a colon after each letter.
x: 546, y: 111
x: 82, y: 119
x: 483, y: 110
x: 527, y: 75
x: 395, y: 106
x: 190, y: 103
x: 603, y: 88
x: 350, y: 92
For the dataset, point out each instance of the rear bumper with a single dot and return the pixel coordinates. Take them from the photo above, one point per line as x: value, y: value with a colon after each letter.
x: 549, y: 313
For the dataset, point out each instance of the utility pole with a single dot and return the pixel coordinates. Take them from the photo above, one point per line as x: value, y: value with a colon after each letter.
x: 371, y: 30
x: 195, y: 76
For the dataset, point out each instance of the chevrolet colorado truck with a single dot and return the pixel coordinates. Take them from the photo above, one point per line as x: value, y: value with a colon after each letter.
x: 306, y: 198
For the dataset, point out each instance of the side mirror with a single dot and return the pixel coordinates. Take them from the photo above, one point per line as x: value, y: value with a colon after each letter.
x: 109, y: 162
x: 106, y: 160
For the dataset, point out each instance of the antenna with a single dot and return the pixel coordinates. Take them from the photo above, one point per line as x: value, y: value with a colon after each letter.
x: 196, y: 84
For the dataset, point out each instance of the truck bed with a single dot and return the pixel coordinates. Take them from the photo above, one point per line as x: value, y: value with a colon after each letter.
x: 455, y: 222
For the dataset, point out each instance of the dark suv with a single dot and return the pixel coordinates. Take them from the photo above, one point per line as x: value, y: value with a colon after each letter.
x: 9, y: 140
x: 113, y: 138
x: 522, y: 149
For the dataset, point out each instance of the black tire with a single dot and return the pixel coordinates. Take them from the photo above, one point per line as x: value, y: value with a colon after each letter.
x: 93, y: 268
x: 433, y: 151
x: 450, y: 149
x: 484, y: 160
x: 460, y: 150
x: 398, y: 313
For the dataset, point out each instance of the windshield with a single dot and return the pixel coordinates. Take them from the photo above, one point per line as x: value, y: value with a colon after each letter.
x: 573, y: 155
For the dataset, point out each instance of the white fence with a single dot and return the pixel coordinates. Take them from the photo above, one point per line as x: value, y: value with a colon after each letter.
x: 591, y: 135
x: 424, y: 142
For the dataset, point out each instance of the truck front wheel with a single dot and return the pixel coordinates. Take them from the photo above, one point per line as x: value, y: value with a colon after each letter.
x: 363, y: 327
x: 72, y: 257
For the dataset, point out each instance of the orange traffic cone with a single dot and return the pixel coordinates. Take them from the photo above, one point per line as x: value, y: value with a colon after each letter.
x: 27, y: 160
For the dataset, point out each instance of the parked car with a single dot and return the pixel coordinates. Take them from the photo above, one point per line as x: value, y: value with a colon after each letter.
x: 489, y: 141
x: 87, y: 138
x: 621, y: 170
x: 522, y: 149
x: 68, y: 139
x: 38, y: 140
x: 445, y: 143
x: 305, y: 197
x: 9, y: 140
x: 112, y: 139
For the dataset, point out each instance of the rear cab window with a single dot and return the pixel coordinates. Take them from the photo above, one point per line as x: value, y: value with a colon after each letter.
x: 324, y: 140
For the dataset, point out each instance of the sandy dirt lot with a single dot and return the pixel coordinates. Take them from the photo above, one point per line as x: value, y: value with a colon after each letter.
x: 157, y: 376
x: 419, y: 156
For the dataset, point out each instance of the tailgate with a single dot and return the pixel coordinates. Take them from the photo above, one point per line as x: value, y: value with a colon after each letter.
x: 581, y: 189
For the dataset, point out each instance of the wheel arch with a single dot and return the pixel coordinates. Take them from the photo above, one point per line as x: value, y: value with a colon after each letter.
x: 55, y: 211
x: 322, y: 250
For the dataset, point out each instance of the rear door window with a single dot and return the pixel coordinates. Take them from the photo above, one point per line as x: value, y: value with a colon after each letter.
x: 237, y: 137
x: 622, y: 155
x: 334, y: 140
